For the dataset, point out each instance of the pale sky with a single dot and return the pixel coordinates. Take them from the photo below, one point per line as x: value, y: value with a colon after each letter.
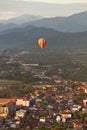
x: 59, y: 1
x: 46, y: 8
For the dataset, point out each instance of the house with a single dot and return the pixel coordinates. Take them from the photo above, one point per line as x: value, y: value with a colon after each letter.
x: 75, y: 108
x: 22, y: 101
x: 83, y: 88
x: 84, y: 110
x: 85, y: 102
x: 66, y: 114
x: 4, y: 111
x: 20, y: 113
x: 36, y: 93
x: 7, y: 106
x: 77, y: 125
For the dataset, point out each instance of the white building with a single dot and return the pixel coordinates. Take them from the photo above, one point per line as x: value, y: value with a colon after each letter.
x: 20, y: 113
x: 22, y: 102
x: 4, y: 111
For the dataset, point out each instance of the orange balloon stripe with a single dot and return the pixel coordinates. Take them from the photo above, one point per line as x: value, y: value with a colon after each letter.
x: 41, y: 43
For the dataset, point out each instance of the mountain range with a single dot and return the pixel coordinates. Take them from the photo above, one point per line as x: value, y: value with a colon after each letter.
x: 60, y: 32
x: 73, y: 23
x: 22, y: 19
x: 17, y: 22
x: 26, y: 38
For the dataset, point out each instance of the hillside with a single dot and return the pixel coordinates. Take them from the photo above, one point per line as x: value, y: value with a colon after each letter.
x: 4, y: 27
x: 25, y: 38
x: 73, y: 23
x: 21, y: 19
x: 17, y: 22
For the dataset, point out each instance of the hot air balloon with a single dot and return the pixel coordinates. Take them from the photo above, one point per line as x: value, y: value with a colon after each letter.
x: 42, y: 42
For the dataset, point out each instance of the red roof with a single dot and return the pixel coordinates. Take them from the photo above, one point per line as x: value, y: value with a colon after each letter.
x: 24, y: 98
x: 83, y: 87
x: 6, y: 100
x: 66, y: 113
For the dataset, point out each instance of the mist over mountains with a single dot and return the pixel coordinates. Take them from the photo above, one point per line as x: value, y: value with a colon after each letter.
x: 22, y: 19
x: 73, y: 23
x: 17, y: 22
x: 60, y: 32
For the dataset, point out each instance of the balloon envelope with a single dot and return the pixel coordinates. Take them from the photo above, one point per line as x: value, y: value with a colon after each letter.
x: 42, y: 42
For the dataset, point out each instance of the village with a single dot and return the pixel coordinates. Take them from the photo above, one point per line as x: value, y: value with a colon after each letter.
x: 43, y: 64
x: 35, y: 96
x: 50, y: 107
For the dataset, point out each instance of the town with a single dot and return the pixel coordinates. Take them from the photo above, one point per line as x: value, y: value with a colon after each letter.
x: 49, y: 108
x: 35, y: 95
x: 43, y: 64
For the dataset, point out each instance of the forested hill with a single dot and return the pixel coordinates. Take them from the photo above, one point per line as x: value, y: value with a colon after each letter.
x: 27, y: 37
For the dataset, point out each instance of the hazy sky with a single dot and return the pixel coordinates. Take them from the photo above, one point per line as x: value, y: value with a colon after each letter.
x: 46, y: 8
x: 59, y: 1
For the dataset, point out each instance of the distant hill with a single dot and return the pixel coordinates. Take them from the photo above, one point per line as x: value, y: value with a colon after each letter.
x: 26, y: 38
x: 8, y: 26
x: 22, y: 19
x: 74, y: 23
x: 16, y: 22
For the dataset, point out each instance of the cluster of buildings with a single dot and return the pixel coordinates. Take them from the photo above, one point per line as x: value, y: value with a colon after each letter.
x: 47, y: 106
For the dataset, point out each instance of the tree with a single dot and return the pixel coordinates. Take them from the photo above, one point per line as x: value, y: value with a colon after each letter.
x: 57, y: 128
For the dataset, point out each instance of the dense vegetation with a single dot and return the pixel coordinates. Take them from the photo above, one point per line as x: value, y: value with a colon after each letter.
x: 14, y: 88
x: 65, y: 64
